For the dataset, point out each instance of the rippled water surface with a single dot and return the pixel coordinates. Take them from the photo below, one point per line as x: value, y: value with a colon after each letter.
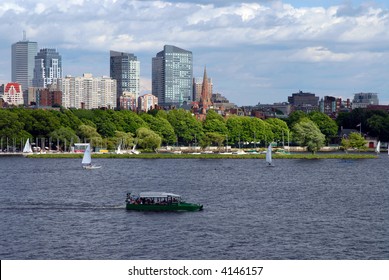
x: 300, y: 209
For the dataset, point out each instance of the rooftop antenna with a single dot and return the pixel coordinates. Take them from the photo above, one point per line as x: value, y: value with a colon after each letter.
x: 24, y: 35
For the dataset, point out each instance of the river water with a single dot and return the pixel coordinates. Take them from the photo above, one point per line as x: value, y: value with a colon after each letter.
x: 299, y: 209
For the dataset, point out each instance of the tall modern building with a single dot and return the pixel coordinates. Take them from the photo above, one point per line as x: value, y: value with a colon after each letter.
x: 125, y: 69
x: 23, y: 62
x: 172, y: 76
x: 48, y: 68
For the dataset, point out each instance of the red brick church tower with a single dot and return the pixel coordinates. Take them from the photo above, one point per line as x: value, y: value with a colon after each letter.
x: 205, y: 98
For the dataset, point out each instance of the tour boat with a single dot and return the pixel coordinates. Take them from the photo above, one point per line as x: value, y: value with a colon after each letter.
x: 159, y: 201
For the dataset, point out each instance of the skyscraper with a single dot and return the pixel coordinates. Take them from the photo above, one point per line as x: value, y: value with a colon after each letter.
x: 125, y: 69
x: 23, y: 62
x: 48, y: 68
x: 172, y: 74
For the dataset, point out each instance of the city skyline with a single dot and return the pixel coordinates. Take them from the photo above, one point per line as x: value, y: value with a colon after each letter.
x: 255, y: 51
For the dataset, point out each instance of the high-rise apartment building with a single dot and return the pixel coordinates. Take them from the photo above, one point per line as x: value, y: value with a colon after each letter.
x: 172, y: 76
x: 87, y: 92
x: 23, y: 62
x: 48, y: 68
x: 125, y: 69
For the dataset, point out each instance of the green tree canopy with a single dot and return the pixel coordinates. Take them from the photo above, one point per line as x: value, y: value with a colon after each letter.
x: 161, y: 126
x: 45, y: 123
x: 235, y: 129
x: 126, y: 140
x: 279, y: 128
x: 212, y: 138
x: 148, y: 139
x: 185, y: 125
x: 89, y: 134
x: 378, y: 126
x: 295, y: 117
x: 215, y: 125
x: 212, y: 115
x: 326, y: 125
x: 256, y: 128
x: 307, y: 134
x: 355, y: 141
x: 65, y: 136
x: 11, y: 129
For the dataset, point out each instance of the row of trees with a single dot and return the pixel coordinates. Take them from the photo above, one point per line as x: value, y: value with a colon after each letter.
x: 374, y: 123
x: 157, y: 127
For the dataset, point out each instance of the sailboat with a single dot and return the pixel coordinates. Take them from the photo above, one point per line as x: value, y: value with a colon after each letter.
x: 133, y: 151
x: 377, y: 149
x: 27, y: 147
x: 87, y: 159
x: 119, y: 150
x: 269, y: 161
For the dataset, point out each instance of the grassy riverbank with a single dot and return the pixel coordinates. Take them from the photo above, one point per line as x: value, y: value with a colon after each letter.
x: 213, y: 156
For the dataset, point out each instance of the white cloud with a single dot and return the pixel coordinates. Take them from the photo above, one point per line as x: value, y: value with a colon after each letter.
x: 10, y: 7
x: 39, y: 8
x: 319, y: 54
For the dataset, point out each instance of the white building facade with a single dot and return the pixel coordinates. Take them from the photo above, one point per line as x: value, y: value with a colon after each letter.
x: 13, y: 94
x: 88, y: 92
x: 147, y: 102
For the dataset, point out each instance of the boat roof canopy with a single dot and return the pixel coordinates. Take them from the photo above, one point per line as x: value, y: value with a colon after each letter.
x: 158, y: 194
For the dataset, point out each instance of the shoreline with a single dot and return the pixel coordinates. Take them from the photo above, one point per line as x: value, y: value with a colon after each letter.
x: 362, y: 155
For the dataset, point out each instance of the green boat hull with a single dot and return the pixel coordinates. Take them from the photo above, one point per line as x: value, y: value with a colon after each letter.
x: 183, y: 206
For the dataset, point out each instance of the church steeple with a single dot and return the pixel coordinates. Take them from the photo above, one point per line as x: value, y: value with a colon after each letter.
x: 205, y: 99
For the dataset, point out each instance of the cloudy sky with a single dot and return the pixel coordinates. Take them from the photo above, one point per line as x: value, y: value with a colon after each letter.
x: 255, y: 51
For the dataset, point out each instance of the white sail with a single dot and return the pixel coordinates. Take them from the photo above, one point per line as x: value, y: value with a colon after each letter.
x: 268, y: 155
x: 119, y: 150
x: 27, y: 147
x: 133, y: 151
x: 87, y: 159
x: 377, y: 149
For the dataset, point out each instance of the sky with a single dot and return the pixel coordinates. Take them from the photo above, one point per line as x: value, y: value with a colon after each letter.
x: 254, y: 51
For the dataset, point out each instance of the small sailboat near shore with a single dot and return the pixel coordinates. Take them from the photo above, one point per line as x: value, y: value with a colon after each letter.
x: 27, y: 147
x: 378, y: 148
x: 133, y: 151
x: 87, y: 160
x: 119, y: 150
x: 269, y: 160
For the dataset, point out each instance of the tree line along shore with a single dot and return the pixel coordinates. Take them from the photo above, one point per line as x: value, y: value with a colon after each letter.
x: 59, y: 129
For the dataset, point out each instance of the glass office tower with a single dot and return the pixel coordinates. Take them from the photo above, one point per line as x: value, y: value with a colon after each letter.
x: 172, y: 76
x: 125, y: 69
x: 23, y: 62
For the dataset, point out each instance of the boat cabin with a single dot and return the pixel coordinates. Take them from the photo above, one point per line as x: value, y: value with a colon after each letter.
x: 153, y: 198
